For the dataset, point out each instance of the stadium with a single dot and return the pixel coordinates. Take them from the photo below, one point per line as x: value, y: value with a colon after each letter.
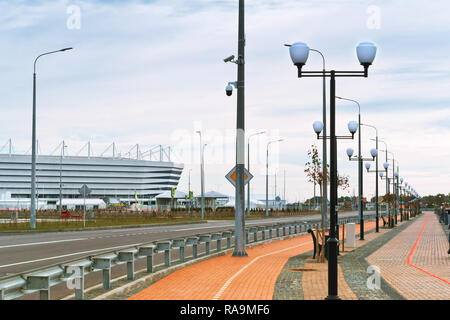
x: 114, y: 179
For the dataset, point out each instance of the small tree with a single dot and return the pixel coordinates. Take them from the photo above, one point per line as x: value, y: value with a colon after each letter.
x: 316, y: 175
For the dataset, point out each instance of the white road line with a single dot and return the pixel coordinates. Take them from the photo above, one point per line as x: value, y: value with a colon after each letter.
x: 39, y: 243
x: 215, y: 227
x: 225, y: 286
x: 67, y: 255
x: 201, y: 228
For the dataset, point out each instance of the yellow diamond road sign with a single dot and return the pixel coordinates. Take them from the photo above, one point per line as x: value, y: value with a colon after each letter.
x: 231, y: 176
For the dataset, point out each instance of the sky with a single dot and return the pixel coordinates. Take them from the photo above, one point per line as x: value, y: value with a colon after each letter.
x: 152, y: 73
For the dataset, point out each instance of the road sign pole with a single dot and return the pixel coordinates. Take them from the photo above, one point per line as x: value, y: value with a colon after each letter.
x: 84, y: 212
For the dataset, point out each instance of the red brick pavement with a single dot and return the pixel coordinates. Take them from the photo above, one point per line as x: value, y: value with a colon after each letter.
x: 415, y: 262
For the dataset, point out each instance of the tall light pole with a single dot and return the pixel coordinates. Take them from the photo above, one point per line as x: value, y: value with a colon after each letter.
x: 366, y: 52
x: 239, y: 248
x: 267, y: 174
x: 360, y: 171
x: 63, y: 147
x: 377, y: 228
x: 202, y: 181
x: 387, y: 180
x: 393, y: 181
x: 324, y: 142
x: 239, y: 221
x: 189, y: 192
x: 33, y: 144
x: 248, y: 168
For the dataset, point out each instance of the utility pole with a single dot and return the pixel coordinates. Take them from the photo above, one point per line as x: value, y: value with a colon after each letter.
x: 239, y: 248
x: 60, y: 176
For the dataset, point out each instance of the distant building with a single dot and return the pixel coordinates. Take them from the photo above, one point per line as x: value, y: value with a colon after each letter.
x: 121, y: 179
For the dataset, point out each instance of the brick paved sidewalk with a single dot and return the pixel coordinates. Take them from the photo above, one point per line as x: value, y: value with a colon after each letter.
x: 415, y: 262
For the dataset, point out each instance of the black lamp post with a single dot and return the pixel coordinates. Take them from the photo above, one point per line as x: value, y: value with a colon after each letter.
x: 377, y: 225
x: 366, y: 52
x: 360, y: 159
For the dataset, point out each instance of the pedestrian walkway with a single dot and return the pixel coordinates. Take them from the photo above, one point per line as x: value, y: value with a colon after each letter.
x: 415, y: 262
x: 227, y: 278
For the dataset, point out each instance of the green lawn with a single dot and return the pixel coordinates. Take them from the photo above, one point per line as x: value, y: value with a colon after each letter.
x: 95, y: 223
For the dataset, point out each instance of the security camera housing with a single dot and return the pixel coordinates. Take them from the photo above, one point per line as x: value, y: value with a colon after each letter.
x: 230, y: 58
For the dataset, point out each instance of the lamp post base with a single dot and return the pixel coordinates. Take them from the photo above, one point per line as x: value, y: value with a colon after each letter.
x: 334, y: 297
x: 240, y: 254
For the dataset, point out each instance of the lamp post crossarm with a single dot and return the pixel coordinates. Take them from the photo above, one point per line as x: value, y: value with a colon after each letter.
x: 337, y: 137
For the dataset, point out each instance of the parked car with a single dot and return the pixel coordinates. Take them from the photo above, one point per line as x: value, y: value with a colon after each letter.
x: 66, y: 214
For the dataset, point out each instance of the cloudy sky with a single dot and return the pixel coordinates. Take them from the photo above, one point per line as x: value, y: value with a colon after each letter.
x: 152, y: 72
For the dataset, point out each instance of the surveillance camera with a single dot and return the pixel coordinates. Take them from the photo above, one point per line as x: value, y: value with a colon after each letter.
x: 230, y: 58
x: 229, y: 90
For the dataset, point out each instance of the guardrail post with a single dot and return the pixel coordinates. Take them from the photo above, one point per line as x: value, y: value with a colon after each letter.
x: 147, y: 251
x: 218, y: 238
x: 165, y: 246
x: 270, y: 232
x: 79, y: 289
x: 277, y: 228
x: 227, y: 234
x: 179, y: 243
x: 246, y: 236
x: 128, y: 256
x: 104, y: 263
x: 193, y: 241
x: 263, y: 232
x: 284, y: 230
x: 206, y: 239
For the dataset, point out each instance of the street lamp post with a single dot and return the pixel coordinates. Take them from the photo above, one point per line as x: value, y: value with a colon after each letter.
x: 189, y: 193
x: 33, y: 145
x: 248, y: 168
x: 387, y: 181
x: 60, y: 177
x: 360, y: 171
x: 366, y: 52
x: 324, y: 142
x: 377, y: 229
x: 374, y: 154
x: 202, y: 174
x: 267, y: 175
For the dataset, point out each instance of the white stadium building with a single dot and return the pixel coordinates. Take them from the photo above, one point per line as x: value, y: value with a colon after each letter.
x: 113, y: 178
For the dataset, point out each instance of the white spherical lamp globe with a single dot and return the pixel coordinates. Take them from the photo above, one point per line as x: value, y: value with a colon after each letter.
x: 366, y: 52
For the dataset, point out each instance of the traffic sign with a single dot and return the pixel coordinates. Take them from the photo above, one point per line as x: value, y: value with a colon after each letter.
x: 84, y: 190
x: 231, y: 176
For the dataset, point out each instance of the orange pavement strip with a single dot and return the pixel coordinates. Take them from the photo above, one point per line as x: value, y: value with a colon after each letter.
x: 228, y: 278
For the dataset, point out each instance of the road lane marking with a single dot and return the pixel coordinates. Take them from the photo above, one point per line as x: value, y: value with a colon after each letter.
x: 67, y: 255
x: 39, y: 243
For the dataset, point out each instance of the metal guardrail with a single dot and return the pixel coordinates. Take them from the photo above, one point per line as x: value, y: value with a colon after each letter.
x: 74, y: 272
